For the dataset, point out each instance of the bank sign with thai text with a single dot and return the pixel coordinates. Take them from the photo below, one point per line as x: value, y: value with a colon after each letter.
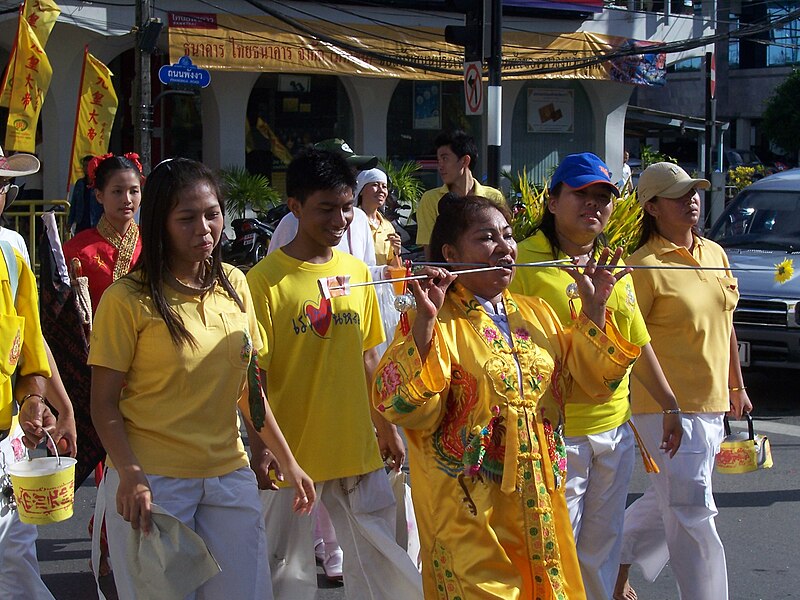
x: 262, y: 43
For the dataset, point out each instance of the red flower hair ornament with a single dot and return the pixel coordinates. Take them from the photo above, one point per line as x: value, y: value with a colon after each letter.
x: 96, y: 161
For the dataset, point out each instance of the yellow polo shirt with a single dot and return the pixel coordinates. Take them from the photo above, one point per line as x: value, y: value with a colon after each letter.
x: 179, y: 404
x: 584, y: 416
x: 314, y: 359
x: 22, y: 343
x: 428, y: 207
x: 384, y: 253
x: 689, y: 315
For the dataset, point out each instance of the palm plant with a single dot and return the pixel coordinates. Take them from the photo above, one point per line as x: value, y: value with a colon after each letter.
x: 406, y: 185
x: 244, y: 190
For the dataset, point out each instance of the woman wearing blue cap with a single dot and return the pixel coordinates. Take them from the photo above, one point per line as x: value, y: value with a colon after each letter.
x: 599, y: 442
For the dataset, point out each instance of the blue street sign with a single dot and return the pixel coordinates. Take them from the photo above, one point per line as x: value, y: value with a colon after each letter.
x: 184, y: 73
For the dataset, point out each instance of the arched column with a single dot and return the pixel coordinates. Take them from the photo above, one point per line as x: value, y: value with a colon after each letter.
x: 224, y: 106
x: 369, y: 100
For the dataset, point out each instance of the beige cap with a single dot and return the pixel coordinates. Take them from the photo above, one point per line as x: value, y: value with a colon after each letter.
x: 18, y: 165
x: 667, y: 180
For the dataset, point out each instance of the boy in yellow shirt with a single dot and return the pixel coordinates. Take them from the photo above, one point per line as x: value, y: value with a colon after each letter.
x: 318, y: 355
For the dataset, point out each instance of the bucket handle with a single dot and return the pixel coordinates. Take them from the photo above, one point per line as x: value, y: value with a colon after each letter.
x: 55, y: 447
x: 750, y: 431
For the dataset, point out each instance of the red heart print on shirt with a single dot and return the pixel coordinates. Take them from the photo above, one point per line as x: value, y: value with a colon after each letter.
x: 320, y: 316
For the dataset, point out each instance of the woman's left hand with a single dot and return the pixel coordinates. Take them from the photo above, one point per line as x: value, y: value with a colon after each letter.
x: 305, y: 494
x: 740, y: 403
x: 596, y: 282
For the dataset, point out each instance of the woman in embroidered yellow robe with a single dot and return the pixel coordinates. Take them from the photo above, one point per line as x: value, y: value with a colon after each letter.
x: 480, y: 405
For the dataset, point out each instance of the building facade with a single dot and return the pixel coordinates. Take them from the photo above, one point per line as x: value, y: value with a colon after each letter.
x: 557, y: 98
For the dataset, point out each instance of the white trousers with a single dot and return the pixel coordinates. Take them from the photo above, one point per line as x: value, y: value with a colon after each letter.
x: 599, y: 468
x: 362, y: 510
x: 225, y: 511
x: 19, y: 568
x: 674, y: 519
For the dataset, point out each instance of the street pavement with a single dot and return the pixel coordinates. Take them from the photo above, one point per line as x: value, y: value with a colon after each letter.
x: 757, y: 522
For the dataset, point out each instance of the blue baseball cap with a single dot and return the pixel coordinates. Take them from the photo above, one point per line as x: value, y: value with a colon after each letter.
x: 582, y: 170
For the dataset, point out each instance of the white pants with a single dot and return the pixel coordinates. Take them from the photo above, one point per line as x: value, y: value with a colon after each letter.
x: 19, y: 567
x: 224, y: 511
x: 599, y: 468
x: 674, y: 519
x: 362, y: 510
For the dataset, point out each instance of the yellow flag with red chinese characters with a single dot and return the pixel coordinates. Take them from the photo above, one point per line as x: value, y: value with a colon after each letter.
x: 97, y: 106
x: 41, y: 15
x: 32, y: 73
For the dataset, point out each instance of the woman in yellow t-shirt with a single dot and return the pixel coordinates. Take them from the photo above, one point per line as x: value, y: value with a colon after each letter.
x: 599, y: 442
x: 478, y: 385
x: 171, y: 357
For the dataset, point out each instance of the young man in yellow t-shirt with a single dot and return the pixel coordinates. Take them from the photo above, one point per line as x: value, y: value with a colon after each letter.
x: 456, y: 155
x: 319, y: 353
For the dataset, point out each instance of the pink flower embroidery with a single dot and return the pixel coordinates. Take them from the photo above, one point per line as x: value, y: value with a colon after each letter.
x: 522, y: 334
x: 490, y: 334
x: 391, y: 379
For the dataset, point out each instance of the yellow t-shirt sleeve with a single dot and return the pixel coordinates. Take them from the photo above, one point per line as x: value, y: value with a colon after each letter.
x: 257, y: 285
x: 239, y: 284
x: 115, y: 331
x: 33, y: 357
x: 427, y: 211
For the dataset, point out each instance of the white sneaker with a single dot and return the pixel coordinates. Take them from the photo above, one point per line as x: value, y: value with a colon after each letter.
x: 332, y: 565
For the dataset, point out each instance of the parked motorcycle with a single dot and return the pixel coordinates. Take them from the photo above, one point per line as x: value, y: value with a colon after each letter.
x: 251, y: 238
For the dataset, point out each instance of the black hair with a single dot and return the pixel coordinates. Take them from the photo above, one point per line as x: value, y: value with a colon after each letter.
x: 111, y: 165
x: 649, y: 227
x: 460, y: 143
x: 161, y: 193
x: 456, y: 215
x: 314, y: 170
x: 548, y: 227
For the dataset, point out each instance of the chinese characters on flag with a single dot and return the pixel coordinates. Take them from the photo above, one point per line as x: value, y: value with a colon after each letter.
x: 32, y: 73
x: 41, y: 15
x: 97, y: 106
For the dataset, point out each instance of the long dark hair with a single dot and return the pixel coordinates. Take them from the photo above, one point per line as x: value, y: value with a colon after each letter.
x: 456, y: 215
x: 548, y: 228
x: 161, y: 192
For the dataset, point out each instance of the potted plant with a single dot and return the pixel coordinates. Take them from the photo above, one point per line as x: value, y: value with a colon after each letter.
x: 244, y: 190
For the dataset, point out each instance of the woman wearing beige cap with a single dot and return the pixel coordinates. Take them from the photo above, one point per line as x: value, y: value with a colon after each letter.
x: 689, y: 314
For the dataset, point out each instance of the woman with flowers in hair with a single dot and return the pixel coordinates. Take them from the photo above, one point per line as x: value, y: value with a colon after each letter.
x: 104, y: 254
x: 107, y: 252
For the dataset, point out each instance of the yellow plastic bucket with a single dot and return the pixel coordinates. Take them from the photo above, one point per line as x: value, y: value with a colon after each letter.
x: 44, y: 489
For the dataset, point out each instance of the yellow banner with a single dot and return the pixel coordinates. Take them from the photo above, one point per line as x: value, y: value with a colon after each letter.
x: 97, y: 107
x: 41, y: 15
x: 32, y: 73
x: 244, y: 43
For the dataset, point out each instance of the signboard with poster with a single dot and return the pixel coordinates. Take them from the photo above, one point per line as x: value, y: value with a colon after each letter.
x: 551, y: 111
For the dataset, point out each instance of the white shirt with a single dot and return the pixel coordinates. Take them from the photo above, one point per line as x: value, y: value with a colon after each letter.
x: 17, y: 241
x: 356, y: 241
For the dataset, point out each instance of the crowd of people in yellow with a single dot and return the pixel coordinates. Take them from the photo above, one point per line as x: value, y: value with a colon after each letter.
x: 521, y: 390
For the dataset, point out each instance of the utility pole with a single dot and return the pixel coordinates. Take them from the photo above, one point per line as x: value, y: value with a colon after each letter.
x: 495, y: 96
x: 142, y: 90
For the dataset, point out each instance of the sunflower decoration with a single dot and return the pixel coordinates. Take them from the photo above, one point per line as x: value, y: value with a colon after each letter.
x: 784, y: 270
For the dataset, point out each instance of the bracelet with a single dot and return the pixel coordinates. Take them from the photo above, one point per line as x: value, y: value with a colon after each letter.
x: 737, y: 389
x: 26, y: 396
x: 672, y: 411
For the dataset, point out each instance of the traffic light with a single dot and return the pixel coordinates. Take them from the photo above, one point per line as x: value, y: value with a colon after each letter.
x: 475, y: 34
